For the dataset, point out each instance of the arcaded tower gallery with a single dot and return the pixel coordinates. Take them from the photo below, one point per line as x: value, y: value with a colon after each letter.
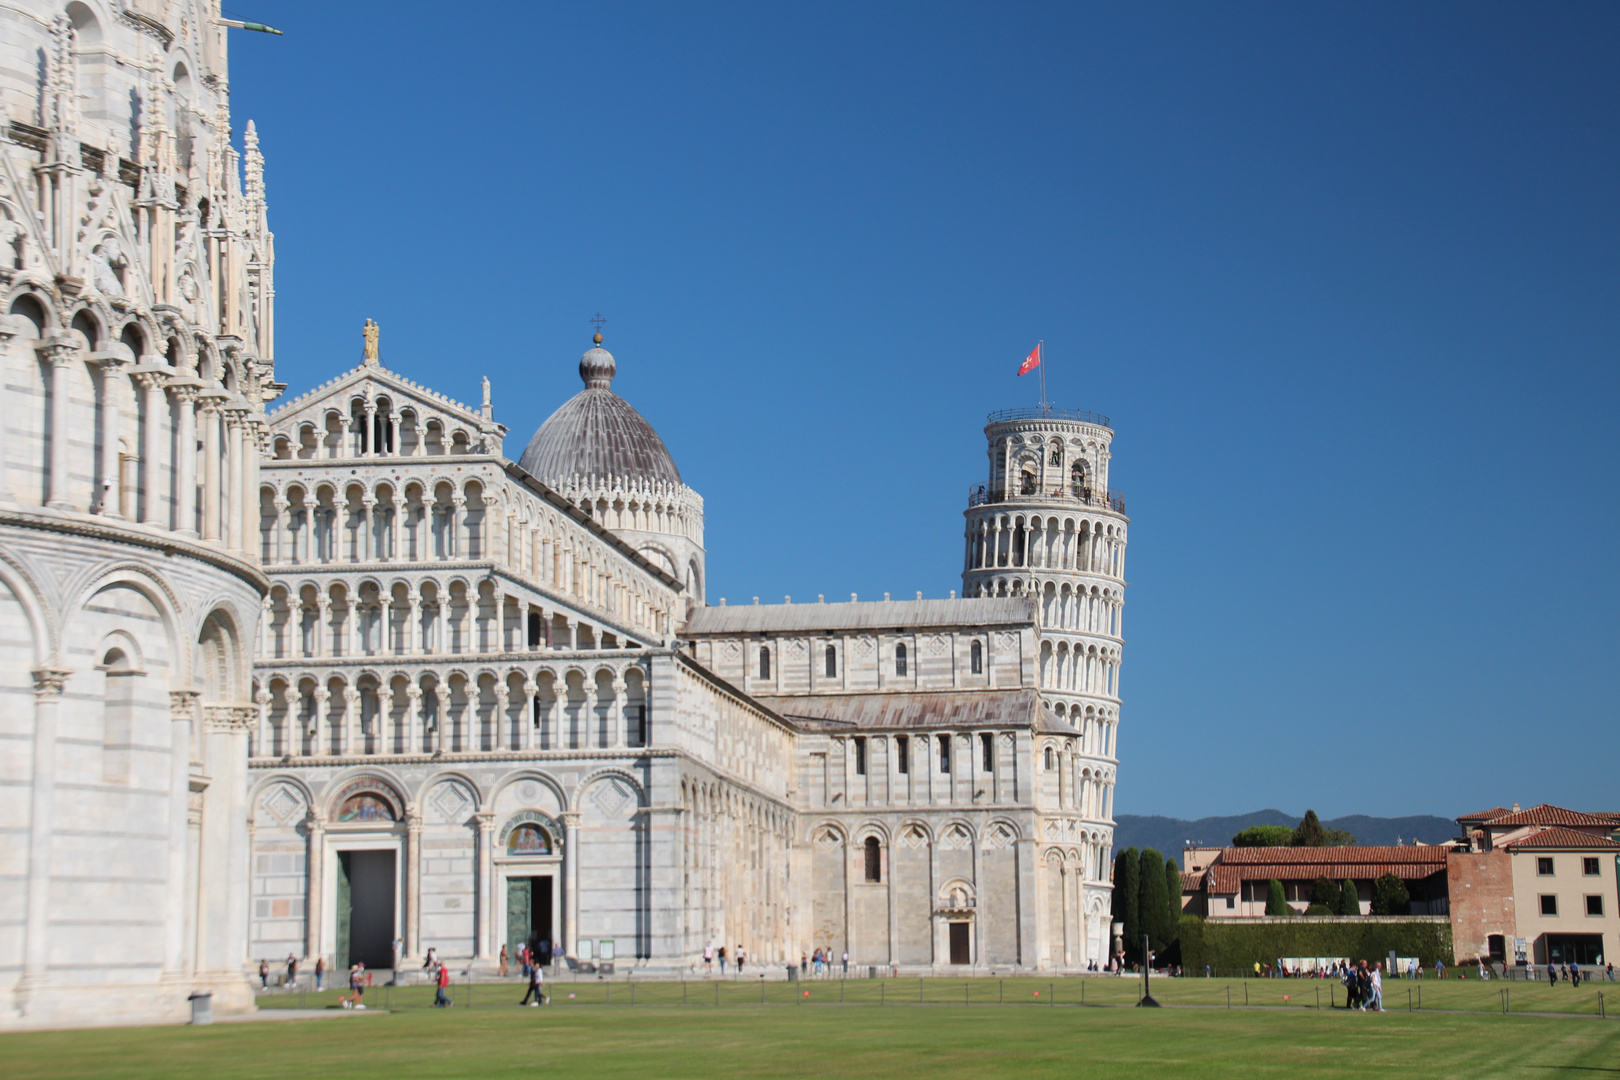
x: 135, y: 348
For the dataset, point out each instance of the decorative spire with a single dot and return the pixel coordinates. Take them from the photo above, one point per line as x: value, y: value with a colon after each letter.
x: 60, y: 100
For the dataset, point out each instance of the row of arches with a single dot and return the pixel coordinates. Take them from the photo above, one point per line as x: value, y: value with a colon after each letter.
x: 371, y: 616
x: 1097, y: 726
x: 1081, y: 545
x: 637, y: 505
x: 1035, y: 464
x: 734, y: 866
x: 373, y: 427
x: 367, y: 713
x: 1080, y: 668
x: 325, y: 523
x: 1098, y: 610
x: 170, y: 442
x: 1074, y: 782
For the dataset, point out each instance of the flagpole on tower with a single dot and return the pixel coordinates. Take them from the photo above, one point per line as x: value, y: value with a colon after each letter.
x: 1045, y: 409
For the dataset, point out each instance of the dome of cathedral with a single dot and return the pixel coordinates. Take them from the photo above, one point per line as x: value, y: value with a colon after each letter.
x: 598, y: 433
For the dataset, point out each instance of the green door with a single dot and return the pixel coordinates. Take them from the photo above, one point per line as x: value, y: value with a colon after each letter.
x: 345, y: 912
x: 519, y: 906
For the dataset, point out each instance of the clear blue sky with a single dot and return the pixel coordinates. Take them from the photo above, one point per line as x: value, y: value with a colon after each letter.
x: 1345, y: 277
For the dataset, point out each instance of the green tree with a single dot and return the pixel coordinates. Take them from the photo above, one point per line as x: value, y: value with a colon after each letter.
x: 1172, y: 887
x: 1390, y: 896
x: 1127, y: 887
x: 1318, y: 909
x: 1310, y: 832
x: 1325, y: 893
x: 1276, y: 902
x: 1155, y: 905
x: 1349, y: 899
x: 1264, y: 836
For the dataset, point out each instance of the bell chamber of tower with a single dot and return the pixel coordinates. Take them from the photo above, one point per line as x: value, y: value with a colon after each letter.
x: 1045, y: 524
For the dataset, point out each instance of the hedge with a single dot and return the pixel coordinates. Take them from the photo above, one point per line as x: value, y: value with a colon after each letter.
x: 1241, y: 945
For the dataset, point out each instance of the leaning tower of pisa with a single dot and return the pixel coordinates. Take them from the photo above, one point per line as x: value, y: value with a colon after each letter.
x: 1046, y: 525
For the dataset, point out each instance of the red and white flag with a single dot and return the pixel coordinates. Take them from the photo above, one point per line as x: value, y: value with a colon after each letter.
x: 1031, y: 362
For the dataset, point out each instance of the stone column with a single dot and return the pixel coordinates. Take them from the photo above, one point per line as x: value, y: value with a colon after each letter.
x: 351, y: 717
x: 150, y: 381
x: 391, y: 551
x: 48, y: 684
x: 440, y: 703
x: 587, y: 716
x: 486, y: 869
x: 413, y: 632
x: 369, y: 435
x: 414, y: 724
x: 526, y: 728
x: 413, y: 887
x: 111, y: 491
x: 266, y: 612
x: 185, y: 452
x: 458, y: 526
x: 317, y: 723
x: 8, y: 330
x: 233, y: 474
x: 570, y: 823
x: 368, y: 540
x: 384, y: 718
x: 497, y: 620
x: 316, y: 864
x: 499, y: 720
x: 441, y: 616
x: 211, y: 451
x: 323, y: 624
x: 278, y: 544
x: 256, y: 432
x: 59, y: 351
x: 617, y: 721
x: 261, y: 717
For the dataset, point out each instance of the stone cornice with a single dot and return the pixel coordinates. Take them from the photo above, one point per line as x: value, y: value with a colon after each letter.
x: 95, y: 528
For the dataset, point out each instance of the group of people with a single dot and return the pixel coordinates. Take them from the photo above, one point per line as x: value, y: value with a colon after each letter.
x: 822, y: 961
x: 291, y: 981
x: 1363, y: 986
x: 711, y: 954
x: 529, y: 957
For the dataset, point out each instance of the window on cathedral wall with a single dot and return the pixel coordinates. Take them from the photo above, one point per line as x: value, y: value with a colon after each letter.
x: 976, y: 658
x: 944, y: 753
x: 764, y: 662
x: 832, y: 662
x: 1049, y: 757
x: 874, y: 859
x: 899, y: 659
x: 987, y: 752
x: 901, y: 756
x: 860, y: 755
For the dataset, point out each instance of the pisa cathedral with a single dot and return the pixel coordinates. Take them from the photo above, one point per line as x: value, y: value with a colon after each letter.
x: 340, y: 678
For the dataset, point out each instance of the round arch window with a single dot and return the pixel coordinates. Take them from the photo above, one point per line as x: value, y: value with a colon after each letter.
x: 528, y: 840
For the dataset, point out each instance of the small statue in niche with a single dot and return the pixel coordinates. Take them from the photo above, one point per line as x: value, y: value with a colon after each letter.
x: 107, y: 263
x: 187, y: 287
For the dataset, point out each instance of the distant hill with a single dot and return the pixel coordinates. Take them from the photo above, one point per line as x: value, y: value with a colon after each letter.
x: 1169, y: 834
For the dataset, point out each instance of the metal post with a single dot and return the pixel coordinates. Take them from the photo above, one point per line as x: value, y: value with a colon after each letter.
x: 1001, y: 991
x: 762, y: 988
x: 840, y: 991
x: 881, y: 996
x: 717, y: 995
x: 1318, y: 997
x: 683, y: 989
x: 1147, y: 964
x: 1245, y: 992
x: 1228, y: 997
x: 919, y: 990
x: 610, y: 993
x: 1051, y: 994
x: 966, y: 1000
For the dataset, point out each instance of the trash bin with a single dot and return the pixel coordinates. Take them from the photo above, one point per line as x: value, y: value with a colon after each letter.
x: 793, y: 973
x: 202, y: 1007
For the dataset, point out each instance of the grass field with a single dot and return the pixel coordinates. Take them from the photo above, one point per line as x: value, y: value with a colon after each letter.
x: 945, y: 1039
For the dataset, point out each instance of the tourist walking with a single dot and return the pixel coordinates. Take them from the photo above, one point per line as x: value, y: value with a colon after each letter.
x: 742, y: 958
x: 1575, y: 973
x: 441, y: 982
x: 846, y: 962
x: 320, y: 972
x: 708, y: 959
x: 722, y: 961
x: 505, y: 960
x: 357, y: 985
x: 264, y: 974
x: 1378, y: 987
x: 536, y: 984
x: 292, y: 971
x: 804, y: 963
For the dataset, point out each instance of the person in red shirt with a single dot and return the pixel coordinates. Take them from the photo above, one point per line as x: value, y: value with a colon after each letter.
x: 440, y: 1000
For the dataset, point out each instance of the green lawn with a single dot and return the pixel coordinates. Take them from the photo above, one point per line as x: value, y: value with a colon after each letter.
x: 944, y: 1040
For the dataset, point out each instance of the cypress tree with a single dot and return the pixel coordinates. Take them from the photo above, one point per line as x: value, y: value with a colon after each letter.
x: 1349, y: 899
x: 1155, y: 906
x: 1172, y: 886
x: 1326, y: 893
x: 1276, y: 900
x: 1310, y: 832
x: 1127, y: 886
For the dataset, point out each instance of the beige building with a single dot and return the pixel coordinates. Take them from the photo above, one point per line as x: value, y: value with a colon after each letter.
x: 1537, y: 886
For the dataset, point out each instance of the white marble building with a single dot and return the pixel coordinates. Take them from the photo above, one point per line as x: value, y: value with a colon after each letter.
x: 135, y: 357
x: 498, y: 710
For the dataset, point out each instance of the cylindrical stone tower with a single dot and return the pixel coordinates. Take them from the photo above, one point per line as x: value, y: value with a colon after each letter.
x: 1045, y: 524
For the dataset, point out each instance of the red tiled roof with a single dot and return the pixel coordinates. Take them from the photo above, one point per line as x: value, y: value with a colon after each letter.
x: 1486, y: 815
x: 1547, y: 814
x: 1564, y: 838
x: 1223, y: 879
x: 1192, y: 882
x: 1425, y: 854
